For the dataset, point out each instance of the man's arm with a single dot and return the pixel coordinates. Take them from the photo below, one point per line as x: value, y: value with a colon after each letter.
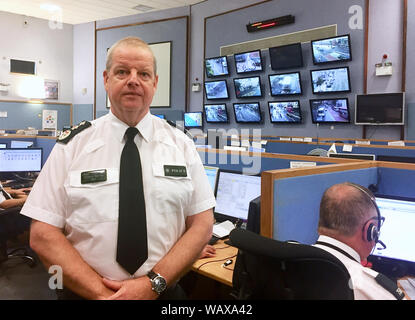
x: 53, y: 248
x: 174, y: 264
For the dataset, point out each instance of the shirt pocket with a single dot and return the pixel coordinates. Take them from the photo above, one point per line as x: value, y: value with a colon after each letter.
x: 93, y: 202
x: 172, y: 194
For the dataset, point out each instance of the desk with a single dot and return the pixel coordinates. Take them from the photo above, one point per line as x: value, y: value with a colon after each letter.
x: 212, y: 267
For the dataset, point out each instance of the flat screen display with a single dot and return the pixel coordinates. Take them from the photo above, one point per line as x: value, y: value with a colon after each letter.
x: 285, y: 111
x: 161, y: 116
x: 234, y: 193
x: 247, y: 87
x: 286, y: 57
x: 330, y: 80
x: 247, y: 112
x: 20, y: 144
x: 285, y: 84
x: 216, y: 113
x: 216, y: 90
x: 212, y: 174
x: 330, y: 110
x: 248, y: 61
x: 3, y: 145
x: 193, y: 120
x: 332, y: 49
x: 397, y: 229
x: 216, y: 67
x: 21, y: 160
x: 382, y: 108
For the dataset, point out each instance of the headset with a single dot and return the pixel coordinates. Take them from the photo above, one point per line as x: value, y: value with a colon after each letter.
x: 373, y: 231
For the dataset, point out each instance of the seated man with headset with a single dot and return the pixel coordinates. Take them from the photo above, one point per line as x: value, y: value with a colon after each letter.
x: 349, y: 227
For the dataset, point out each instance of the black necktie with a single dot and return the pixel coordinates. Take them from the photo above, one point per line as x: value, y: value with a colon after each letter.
x: 132, y: 228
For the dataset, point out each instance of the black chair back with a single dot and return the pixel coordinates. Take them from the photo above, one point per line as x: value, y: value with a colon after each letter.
x: 271, y: 269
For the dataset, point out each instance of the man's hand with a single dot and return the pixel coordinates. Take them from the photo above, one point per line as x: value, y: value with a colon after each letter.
x: 208, y: 252
x: 132, y: 289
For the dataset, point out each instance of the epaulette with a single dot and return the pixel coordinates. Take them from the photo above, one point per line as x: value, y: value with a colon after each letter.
x: 390, y: 286
x: 67, y: 135
x: 187, y: 132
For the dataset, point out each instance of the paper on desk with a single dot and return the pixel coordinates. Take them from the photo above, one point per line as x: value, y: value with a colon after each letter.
x: 408, y: 285
x: 223, y: 229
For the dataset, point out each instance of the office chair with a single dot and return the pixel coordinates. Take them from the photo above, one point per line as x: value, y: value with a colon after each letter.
x: 14, y: 224
x: 271, y: 269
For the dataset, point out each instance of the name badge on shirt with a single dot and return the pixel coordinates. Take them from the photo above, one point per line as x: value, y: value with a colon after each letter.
x: 175, y: 171
x: 94, y: 176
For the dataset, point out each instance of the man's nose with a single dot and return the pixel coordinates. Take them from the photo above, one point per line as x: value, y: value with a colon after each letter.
x: 133, y: 78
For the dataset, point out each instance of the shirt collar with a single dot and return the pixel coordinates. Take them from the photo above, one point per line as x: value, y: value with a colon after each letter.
x: 340, y: 245
x: 145, y: 127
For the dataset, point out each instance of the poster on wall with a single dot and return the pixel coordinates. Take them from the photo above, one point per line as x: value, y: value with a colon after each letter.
x: 162, y: 52
x: 52, y: 89
x: 50, y: 120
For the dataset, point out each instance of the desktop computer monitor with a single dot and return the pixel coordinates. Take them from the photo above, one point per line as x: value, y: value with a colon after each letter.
x: 3, y: 145
x: 212, y: 174
x: 397, y: 234
x: 16, y: 144
x: 20, y: 160
x: 234, y: 192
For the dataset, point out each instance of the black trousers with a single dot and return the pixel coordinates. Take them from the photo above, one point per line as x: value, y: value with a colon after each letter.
x: 174, y: 292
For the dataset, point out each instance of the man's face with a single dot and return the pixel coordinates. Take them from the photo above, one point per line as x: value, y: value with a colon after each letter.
x: 131, y: 82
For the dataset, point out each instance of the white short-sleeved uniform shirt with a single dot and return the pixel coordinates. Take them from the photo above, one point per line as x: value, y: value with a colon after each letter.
x: 362, y: 278
x: 88, y: 213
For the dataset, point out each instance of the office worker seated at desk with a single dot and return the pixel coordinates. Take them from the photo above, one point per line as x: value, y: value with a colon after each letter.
x: 10, y: 198
x: 79, y: 201
x: 349, y: 227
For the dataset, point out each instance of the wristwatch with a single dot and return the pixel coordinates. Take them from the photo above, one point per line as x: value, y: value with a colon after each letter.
x: 158, y: 283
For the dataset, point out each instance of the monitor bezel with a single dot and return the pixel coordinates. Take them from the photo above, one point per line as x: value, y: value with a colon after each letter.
x: 285, y: 94
x: 334, y: 61
x: 220, y: 75
x: 245, y: 72
x: 298, y: 45
x: 219, y: 217
x: 331, y: 92
x: 259, y: 111
x: 216, y: 104
x: 283, y: 101
x: 381, y: 123
x: 30, y: 149
x: 248, y: 97
x: 227, y: 90
x: 330, y: 122
x: 201, y: 122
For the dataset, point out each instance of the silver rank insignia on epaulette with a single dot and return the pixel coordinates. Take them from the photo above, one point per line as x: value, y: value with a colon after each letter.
x: 67, y: 135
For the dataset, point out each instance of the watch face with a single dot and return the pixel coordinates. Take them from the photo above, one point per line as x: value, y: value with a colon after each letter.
x: 159, y: 284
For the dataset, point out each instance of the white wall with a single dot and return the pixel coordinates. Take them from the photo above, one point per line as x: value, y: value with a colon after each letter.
x: 385, y: 36
x: 50, y: 48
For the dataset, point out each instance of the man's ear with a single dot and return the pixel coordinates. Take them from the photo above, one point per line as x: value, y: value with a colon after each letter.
x: 105, y: 76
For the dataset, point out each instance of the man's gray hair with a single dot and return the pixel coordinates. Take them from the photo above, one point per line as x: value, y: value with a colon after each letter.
x: 129, y: 41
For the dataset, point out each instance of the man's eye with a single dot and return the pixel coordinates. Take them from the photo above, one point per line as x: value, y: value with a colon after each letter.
x: 121, y: 72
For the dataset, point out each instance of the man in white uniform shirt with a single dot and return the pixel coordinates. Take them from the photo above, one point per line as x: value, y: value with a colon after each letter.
x: 349, y: 227
x: 75, y: 223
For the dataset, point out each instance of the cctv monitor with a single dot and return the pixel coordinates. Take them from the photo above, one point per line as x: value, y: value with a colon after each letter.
x: 21, y: 160
x: 380, y: 109
x: 216, y: 90
x: 20, y: 144
x: 247, y: 87
x: 216, y: 113
x: 216, y: 67
x: 396, y: 232
x: 161, y: 116
x: 247, y: 112
x: 234, y: 193
x: 212, y: 174
x: 193, y: 120
x: 286, y: 57
x: 284, y: 111
x: 333, y: 49
x: 285, y: 84
x: 330, y: 80
x: 330, y: 110
x: 248, y: 61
